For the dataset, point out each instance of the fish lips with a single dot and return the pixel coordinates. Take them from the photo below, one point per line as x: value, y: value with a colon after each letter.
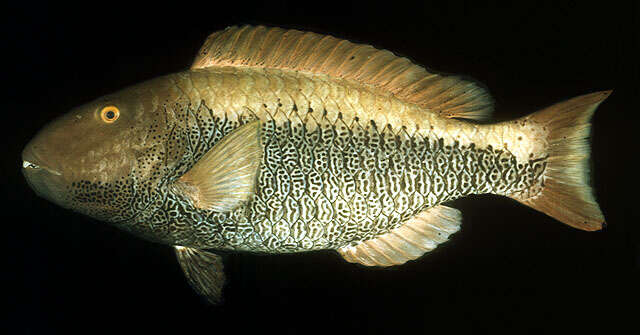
x: 47, y: 182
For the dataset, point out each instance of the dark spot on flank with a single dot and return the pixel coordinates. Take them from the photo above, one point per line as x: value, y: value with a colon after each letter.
x: 519, y: 138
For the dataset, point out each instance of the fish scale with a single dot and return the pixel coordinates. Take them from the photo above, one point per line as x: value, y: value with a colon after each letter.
x: 340, y: 207
x: 283, y: 141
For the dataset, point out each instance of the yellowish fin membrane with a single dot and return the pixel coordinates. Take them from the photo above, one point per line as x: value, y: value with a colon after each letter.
x: 277, y: 48
x: 414, y: 238
x: 566, y: 194
x: 204, y: 271
x: 226, y: 175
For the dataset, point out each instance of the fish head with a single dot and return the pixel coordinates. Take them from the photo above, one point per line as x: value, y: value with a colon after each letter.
x: 102, y: 158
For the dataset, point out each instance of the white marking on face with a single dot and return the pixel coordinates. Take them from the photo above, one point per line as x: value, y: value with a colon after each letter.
x: 29, y: 165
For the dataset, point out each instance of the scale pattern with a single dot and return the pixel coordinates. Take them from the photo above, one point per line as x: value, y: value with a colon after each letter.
x: 344, y: 182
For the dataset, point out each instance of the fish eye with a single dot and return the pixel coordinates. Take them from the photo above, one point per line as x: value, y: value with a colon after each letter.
x: 110, y: 114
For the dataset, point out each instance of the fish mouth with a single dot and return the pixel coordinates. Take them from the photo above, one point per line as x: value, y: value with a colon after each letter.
x: 47, y: 182
x: 29, y: 165
x: 32, y: 162
x: 33, y: 166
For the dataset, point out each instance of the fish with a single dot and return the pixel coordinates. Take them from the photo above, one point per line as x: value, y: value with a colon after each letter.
x: 284, y: 141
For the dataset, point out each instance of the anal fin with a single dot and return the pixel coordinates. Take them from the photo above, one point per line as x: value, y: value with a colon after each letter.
x: 204, y: 271
x: 413, y: 239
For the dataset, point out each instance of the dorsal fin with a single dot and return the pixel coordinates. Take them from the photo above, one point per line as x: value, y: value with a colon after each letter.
x: 247, y: 46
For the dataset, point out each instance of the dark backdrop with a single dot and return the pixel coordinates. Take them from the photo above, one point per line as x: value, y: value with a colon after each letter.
x: 510, y: 269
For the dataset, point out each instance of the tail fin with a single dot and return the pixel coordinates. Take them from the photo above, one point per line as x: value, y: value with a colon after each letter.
x: 566, y: 195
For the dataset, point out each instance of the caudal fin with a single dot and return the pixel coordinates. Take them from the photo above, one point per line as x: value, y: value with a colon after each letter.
x: 566, y: 194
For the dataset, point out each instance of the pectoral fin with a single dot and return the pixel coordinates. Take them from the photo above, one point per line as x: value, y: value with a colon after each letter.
x: 413, y: 239
x: 225, y: 176
x: 204, y: 271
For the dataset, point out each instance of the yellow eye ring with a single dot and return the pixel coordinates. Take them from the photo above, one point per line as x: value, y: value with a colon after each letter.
x: 110, y: 114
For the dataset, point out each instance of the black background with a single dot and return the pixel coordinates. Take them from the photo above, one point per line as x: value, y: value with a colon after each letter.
x: 510, y: 269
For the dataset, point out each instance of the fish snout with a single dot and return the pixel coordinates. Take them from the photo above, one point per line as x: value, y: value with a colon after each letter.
x: 43, y: 177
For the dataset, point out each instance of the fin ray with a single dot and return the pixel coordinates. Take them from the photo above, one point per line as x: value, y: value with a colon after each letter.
x: 225, y: 176
x: 566, y: 194
x: 414, y: 238
x: 247, y: 46
x: 204, y: 271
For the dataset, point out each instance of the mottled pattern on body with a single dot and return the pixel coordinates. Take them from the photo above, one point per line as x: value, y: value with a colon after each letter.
x: 325, y: 182
x: 333, y: 173
x: 282, y: 141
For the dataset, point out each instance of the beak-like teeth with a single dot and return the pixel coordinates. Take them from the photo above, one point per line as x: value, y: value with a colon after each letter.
x: 29, y: 165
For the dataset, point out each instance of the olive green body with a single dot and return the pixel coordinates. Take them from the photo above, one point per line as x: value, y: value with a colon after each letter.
x: 337, y: 167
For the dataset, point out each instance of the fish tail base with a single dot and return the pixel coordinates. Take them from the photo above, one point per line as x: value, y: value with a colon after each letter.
x: 566, y: 194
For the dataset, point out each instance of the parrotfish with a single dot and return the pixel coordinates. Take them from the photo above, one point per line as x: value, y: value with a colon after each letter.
x: 283, y: 141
